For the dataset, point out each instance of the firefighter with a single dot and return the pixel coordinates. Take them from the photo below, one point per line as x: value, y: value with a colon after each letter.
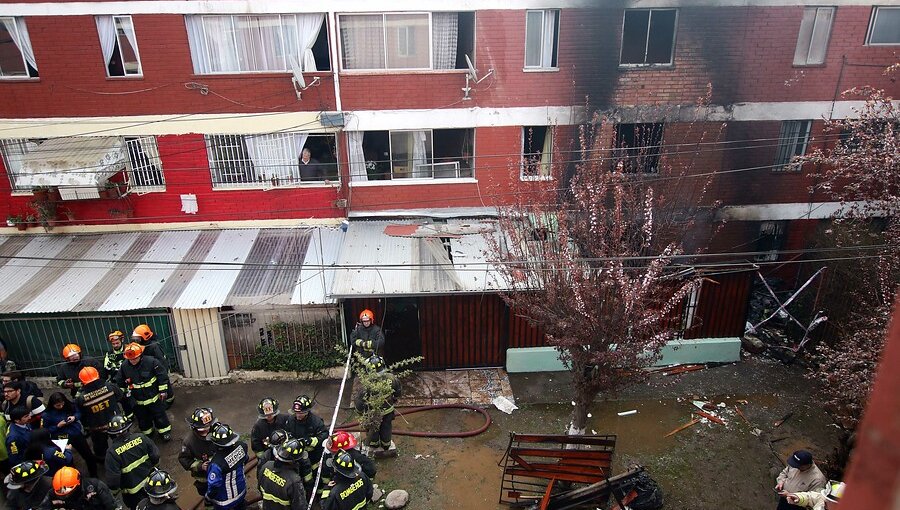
x: 112, y: 362
x: 227, y: 486
x: 306, y: 424
x: 380, y: 434
x: 70, y: 492
x: 28, y: 485
x: 129, y: 461
x: 161, y: 492
x: 67, y: 376
x: 276, y: 439
x: 269, y: 420
x: 148, y: 383
x: 350, y: 489
x: 97, y: 402
x: 196, y: 448
x: 280, y: 485
x: 367, y: 337
x: 346, y: 441
x: 145, y: 337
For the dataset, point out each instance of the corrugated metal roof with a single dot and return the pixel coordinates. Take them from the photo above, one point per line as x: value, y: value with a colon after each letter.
x: 313, y: 286
x: 179, y: 269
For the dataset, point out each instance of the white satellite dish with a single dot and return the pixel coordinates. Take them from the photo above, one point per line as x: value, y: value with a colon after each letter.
x: 473, y: 73
x: 298, y: 80
x: 472, y: 76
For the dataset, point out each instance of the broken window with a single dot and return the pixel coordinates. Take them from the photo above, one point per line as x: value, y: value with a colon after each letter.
x: 537, y: 152
x: 792, y: 142
x: 770, y: 241
x: 541, y: 39
x: 638, y: 147
x: 812, y: 41
x: 648, y: 36
x: 419, y: 154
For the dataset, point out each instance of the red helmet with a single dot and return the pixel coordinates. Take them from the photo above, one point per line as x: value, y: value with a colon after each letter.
x: 88, y: 375
x: 367, y: 314
x: 341, y: 440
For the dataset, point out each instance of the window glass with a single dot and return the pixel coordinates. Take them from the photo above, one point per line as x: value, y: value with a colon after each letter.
x: 648, y: 36
x: 407, y: 41
x: 14, y: 63
x: 885, y: 26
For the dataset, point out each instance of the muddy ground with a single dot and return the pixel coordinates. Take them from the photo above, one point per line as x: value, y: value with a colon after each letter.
x: 707, y: 466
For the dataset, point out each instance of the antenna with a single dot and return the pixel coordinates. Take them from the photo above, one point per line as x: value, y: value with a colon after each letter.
x: 298, y: 80
x: 472, y: 76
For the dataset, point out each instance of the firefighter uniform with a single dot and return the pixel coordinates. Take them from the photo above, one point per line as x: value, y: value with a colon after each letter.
x: 129, y: 461
x: 146, y: 504
x: 262, y: 430
x: 146, y: 380
x: 281, y: 487
x: 381, y: 433
x: 351, y: 489
x: 98, y: 402
x: 112, y: 362
x: 18, y: 499
x: 91, y: 494
x: 196, y: 451
x: 68, y: 373
x: 314, y: 430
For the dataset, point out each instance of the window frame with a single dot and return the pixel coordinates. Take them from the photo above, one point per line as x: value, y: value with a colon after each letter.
x: 671, y: 62
x: 557, y: 30
x: 639, y: 153
x: 137, y: 51
x: 777, y: 236
x: 873, y: 20
x: 812, y: 35
x: 10, y: 174
x: 131, y: 171
x: 27, y: 75
x: 804, y: 135
x: 551, y: 132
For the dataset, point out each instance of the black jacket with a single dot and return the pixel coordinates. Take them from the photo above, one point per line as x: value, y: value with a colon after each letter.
x: 69, y: 372
x: 259, y: 435
x: 281, y: 487
x: 367, y: 341
x: 145, y: 504
x: 153, y: 349
x: 98, y: 402
x: 18, y: 499
x: 349, y: 494
x: 92, y: 494
x: 311, y: 427
x: 363, y: 461
x: 196, y: 450
x: 129, y: 461
x: 146, y: 380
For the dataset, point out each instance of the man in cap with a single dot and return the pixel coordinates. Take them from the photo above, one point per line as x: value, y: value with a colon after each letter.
x: 28, y: 485
x: 196, y: 449
x: 227, y: 486
x: 148, y: 382
x: 130, y: 459
x: 161, y: 492
x: 268, y: 421
x: 828, y: 498
x: 67, y: 377
x: 305, y: 424
x: 350, y: 489
x: 800, y: 475
x: 279, y: 484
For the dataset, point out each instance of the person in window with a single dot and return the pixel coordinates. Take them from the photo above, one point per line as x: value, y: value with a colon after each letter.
x: 310, y: 169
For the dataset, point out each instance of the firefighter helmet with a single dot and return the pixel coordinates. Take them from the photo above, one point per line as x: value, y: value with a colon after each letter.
x: 201, y: 418
x: 116, y: 335
x: 118, y: 424
x: 66, y: 480
x: 376, y: 363
x: 834, y: 491
x: 142, y: 332
x: 70, y: 350
x: 278, y: 437
x: 88, y: 375
x: 267, y: 407
x: 340, y: 440
x: 25, y: 473
x: 134, y: 350
x: 222, y: 435
x: 160, y: 485
x: 302, y: 404
x: 289, y: 451
x: 343, y: 465
x: 367, y: 315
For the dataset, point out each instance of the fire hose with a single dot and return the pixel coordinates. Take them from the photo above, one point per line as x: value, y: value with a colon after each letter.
x: 354, y: 427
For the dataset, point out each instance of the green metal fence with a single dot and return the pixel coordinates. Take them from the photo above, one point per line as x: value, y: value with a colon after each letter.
x: 35, y: 342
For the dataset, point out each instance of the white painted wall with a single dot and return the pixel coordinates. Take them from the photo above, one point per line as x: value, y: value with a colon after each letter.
x: 201, y: 344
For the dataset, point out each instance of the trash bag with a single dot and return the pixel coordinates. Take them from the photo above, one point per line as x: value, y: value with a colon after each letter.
x: 649, y: 494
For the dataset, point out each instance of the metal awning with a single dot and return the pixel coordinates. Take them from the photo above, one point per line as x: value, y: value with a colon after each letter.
x: 452, y: 259
x: 171, y: 269
x: 72, y: 162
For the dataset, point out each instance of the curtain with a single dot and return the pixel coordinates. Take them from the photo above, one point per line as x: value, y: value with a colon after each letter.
x: 362, y: 39
x: 308, y: 26
x: 444, y: 34
x: 420, y: 168
x: 19, y: 33
x: 128, y: 28
x: 275, y: 156
x: 106, y: 29
x: 357, y: 156
x: 197, y: 42
x: 220, y: 44
x: 546, y: 153
x: 549, y: 31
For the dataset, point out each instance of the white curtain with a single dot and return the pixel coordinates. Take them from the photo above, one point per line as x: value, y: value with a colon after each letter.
x: 308, y: 26
x: 420, y: 168
x: 220, y: 44
x: 362, y: 38
x: 546, y: 153
x: 549, y: 30
x: 106, y: 29
x: 444, y: 34
x: 128, y: 28
x: 357, y: 156
x: 275, y: 156
x: 197, y: 42
x: 19, y: 33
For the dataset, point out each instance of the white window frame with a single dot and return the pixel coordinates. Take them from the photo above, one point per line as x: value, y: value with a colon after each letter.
x: 260, y: 182
x: 27, y: 75
x: 671, y: 61
x: 131, y: 169
x: 544, y: 66
x: 804, y: 60
x: 551, y: 133
x: 789, y: 148
x: 387, y: 69
x: 875, y: 10
x: 137, y: 52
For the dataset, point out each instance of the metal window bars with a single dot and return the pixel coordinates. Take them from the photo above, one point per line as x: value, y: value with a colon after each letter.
x: 144, y: 166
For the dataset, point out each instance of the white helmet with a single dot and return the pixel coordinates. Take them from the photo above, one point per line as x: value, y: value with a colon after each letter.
x: 834, y: 491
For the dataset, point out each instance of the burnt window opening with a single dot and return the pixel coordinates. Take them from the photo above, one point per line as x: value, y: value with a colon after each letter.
x: 537, y: 152
x: 770, y: 240
x: 648, y: 36
x: 638, y: 147
x: 792, y: 142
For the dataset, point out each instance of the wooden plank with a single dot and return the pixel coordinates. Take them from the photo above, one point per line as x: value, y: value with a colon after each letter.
x: 597, y: 472
x: 546, y: 499
x: 569, y: 454
x: 569, y: 477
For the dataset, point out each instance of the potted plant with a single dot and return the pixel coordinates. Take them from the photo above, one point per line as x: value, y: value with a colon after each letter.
x: 15, y: 220
x: 45, y: 213
x: 110, y: 191
x: 46, y: 194
x: 30, y: 221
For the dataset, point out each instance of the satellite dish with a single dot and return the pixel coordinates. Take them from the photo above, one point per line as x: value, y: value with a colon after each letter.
x: 298, y: 80
x: 472, y: 72
x: 472, y: 76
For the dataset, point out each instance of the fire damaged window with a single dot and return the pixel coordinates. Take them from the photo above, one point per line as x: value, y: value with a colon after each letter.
x: 638, y: 147
x: 537, y: 152
x: 770, y: 240
x: 812, y: 41
x: 792, y: 142
x: 648, y: 37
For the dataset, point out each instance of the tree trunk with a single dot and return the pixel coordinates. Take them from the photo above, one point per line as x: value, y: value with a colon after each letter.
x: 583, y: 400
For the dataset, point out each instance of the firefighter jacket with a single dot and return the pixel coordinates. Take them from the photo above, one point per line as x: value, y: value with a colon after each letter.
x: 113, y: 360
x: 303, y: 467
x: 367, y: 341
x: 129, y: 461
x: 359, y: 458
x: 348, y: 494
x: 146, y: 380
x: 153, y: 350
x: 98, y: 402
x: 18, y: 499
x: 362, y: 396
x: 262, y: 429
x: 311, y: 427
x: 195, y: 451
x: 226, y: 484
x: 281, y: 487
x: 146, y: 504
x: 17, y: 440
x: 92, y: 494
x: 68, y: 372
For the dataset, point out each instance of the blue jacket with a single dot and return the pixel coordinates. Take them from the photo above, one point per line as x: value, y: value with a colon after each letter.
x: 56, y: 459
x: 17, y: 440
x: 52, y: 417
x: 227, y: 486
